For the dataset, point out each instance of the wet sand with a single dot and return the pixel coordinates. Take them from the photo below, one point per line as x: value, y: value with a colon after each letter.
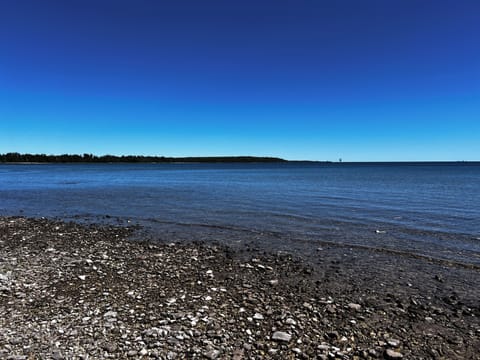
x: 79, y: 291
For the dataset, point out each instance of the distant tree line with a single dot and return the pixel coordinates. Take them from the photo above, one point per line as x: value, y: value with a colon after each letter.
x: 89, y: 158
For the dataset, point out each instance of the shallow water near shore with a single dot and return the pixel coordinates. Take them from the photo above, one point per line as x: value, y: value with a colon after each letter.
x: 420, y: 209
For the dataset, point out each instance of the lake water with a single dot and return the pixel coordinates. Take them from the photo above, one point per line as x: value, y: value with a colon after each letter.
x: 425, y: 209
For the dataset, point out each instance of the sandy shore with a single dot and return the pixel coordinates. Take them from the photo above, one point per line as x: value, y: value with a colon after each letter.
x: 87, y: 292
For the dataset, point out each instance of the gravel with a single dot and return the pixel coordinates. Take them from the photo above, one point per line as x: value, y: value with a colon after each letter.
x: 71, y: 291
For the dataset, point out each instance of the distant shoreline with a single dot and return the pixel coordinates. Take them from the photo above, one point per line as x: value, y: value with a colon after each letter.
x: 333, y: 163
x: 17, y: 158
x: 36, y: 159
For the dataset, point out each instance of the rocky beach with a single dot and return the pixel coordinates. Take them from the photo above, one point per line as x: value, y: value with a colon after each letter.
x: 72, y: 291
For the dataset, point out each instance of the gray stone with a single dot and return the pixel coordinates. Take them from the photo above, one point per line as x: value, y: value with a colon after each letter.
x: 258, y: 316
x: 143, y: 352
x: 281, y: 336
x: 110, y: 314
x: 393, y: 342
x: 56, y: 355
x: 238, y: 354
x: 110, y: 347
x: 391, y: 354
x: 354, y: 306
x: 290, y: 321
x: 16, y: 341
x: 212, y: 354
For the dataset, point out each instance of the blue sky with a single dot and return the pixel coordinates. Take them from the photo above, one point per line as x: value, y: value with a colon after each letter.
x: 321, y: 80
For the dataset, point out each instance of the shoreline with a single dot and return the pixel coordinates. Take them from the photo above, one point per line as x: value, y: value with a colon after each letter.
x: 86, y: 291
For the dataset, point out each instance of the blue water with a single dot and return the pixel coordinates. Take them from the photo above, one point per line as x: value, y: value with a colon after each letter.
x: 425, y: 209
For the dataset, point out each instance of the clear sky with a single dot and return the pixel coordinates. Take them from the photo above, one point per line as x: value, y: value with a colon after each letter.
x: 322, y: 80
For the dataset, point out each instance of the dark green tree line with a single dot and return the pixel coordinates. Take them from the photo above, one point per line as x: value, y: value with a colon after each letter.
x: 90, y: 158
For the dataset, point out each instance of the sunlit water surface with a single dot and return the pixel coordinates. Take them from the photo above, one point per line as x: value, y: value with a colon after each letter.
x: 425, y: 209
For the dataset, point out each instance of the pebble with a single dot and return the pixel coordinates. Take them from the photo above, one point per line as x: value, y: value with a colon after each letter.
x: 212, y: 354
x: 238, y: 354
x: 112, y: 314
x: 110, y: 347
x: 354, y: 306
x: 391, y: 354
x: 258, y: 316
x: 393, y: 342
x: 307, y: 305
x: 290, y: 321
x: 16, y: 341
x: 56, y: 355
x: 281, y: 336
